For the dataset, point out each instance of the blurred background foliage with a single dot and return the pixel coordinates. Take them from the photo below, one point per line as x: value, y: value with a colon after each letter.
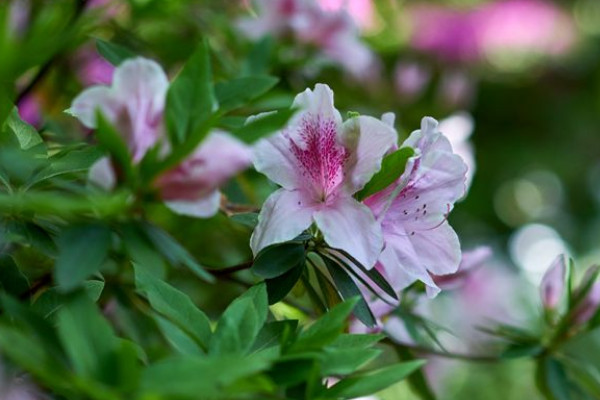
x: 526, y: 72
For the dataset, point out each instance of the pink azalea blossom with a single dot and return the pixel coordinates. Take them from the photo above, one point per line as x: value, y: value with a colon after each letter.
x: 333, y: 32
x: 30, y: 110
x: 135, y: 104
x: 470, y: 262
x: 413, y: 211
x: 491, y: 30
x: 411, y: 79
x: 320, y: 162
x: 93, y: 69
x: 361, y: 11
x: 552, y: 286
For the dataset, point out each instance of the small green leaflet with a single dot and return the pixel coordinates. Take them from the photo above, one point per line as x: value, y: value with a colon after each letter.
x: 392, y: 167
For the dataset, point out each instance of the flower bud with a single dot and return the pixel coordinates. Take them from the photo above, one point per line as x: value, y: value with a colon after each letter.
x: 552, y: 286
x: 588, y: 306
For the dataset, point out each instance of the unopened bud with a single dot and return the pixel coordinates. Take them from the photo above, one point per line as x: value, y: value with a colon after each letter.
x: 552, y: 286
x: 588, y: 306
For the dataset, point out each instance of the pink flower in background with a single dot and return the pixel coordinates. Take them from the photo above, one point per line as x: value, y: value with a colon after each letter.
x: 516, y: 27
x: 552, y: 286
x: 135, y: 104
x: 320, y: 162
x: 361, y: 11
x: 93, y: 69
x: 30, y: 110
x: 470, y: 262
x: 18, y: 17
x: 413, y: 211
x: 411, y: 79
x: 192, y: 187
x: 331, y: 31
x: 523, y: 26
x: 444, y: 32
x: 456, y: 88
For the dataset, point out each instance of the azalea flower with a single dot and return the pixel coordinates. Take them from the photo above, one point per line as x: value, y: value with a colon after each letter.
x: 458, y: 128
x: 332, y: 31
x: 320, y: 162
x: 135, y: 105
x: 419, y: 241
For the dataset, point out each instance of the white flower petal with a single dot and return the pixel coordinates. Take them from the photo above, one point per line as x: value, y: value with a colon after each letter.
x: 283, y: 216
x: 204, y: 207
x: 350, y: 226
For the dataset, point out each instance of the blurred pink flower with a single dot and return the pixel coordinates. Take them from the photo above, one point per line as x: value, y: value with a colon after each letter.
x: 332, y: 32
x: 135, y: 104
x: 419, y: 241
x: 470, y: 262
x: 456, y: 88
x: 320, y: 162
x: 444, y: 32
x: 552, y: 286
x: 18, y: 17
x: 30, y: 110
x: 411, y: 79
x: 93, y: 69
x: 526, y: 27
x: 361, y: 11
x: 191, y: 188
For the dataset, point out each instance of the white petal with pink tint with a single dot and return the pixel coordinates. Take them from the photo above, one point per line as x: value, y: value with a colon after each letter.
x: 349, y: 225
x: 283, y: 216
x: 371, y: 138
x: 204, y: 207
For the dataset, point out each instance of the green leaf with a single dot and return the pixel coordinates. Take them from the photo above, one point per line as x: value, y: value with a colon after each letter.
x: 12, y: 279
x: 348, y: 289
x: 326, y: 329
x: 347, y: 341
x: 177, y: 338
x: 52, y: 299
x: 82, y: 250
x: 277, y: 259
x: 190, y: 98
x: 30, y: 354
x: 373, y: 275
x: 174, y: 305
x: 552, y: 379
x: 26, y: 134
x: 110, y: 139
x: 241, y: 322
x: 207, y: 377
x: 392, y: 167
x: 73, y: 161
x: 259, y: 57
x: 373, y: 381
x: 238, y: 92
x: 175, y: 252
x: 141, y: 251
x: 88, y: 339
x: 274, y: 333
x: 346, y: 361
x: 113, y: 53
x: 248, y: 219
x: 263, y: 124
x: 279, y: 287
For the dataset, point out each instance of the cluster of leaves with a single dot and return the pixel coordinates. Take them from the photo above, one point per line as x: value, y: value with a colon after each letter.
x: 85, y: 305
x: 566, y: 350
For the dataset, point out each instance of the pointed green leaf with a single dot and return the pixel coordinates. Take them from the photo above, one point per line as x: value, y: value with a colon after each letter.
x: 82, y: 250
x: 113, y: 53
x: 190, y: 98
x: 238, y: 92
x: 277, y: 259
x: 392, y: 167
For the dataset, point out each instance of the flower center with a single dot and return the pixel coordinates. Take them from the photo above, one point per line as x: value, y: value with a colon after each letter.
x: 320, y: 157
